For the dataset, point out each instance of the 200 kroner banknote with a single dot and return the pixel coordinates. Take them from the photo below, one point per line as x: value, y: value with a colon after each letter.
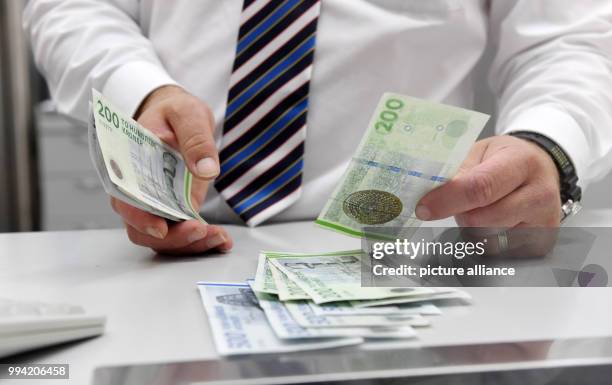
x: 135, y: 166
x: 410, y: 147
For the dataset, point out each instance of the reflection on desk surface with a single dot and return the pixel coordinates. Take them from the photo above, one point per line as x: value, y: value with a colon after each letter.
x: 535, y: 362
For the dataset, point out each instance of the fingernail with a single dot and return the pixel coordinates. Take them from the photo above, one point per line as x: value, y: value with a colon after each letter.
x: 422, y: 212
x: 207, y: 168
x: 152, y: 231
x: 215, y: 241
x: 196, y: 235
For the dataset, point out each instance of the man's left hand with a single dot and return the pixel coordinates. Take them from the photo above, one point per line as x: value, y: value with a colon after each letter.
x: 504, y: 182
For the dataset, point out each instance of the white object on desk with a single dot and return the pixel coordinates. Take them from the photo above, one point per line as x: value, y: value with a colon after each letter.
x: 30, y: 325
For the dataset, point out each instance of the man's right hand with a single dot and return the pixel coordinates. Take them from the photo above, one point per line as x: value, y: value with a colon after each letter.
x: 187, y: 124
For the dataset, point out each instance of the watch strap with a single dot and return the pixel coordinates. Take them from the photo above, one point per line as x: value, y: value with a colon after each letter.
x: 567, y: 172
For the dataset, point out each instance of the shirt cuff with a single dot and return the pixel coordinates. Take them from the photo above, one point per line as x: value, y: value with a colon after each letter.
x: 559, y: 126
x: 130, y: 84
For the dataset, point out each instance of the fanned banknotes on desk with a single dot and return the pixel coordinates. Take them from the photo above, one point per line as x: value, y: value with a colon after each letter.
x: 313, y: 301
x: 410, y: 147
x: 324, y: 307
x: 135, y: 166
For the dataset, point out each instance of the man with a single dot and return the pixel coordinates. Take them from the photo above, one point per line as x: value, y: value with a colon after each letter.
x: 196, y: 73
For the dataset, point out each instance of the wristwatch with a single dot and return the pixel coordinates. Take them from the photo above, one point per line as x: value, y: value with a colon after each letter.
x: 571, y: 193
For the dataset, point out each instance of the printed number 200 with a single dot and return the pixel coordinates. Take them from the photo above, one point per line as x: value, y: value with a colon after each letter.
x: 107, y: 114
x: 388, y: 116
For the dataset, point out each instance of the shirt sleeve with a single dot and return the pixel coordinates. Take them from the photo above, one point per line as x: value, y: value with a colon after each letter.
x: 83, y: 44
x: 553, y: 75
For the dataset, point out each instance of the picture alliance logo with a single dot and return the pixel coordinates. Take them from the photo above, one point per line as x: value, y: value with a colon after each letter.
x: 411, y: 249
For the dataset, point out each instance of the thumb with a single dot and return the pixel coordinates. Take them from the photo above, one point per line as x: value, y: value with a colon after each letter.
x: 193, y: 125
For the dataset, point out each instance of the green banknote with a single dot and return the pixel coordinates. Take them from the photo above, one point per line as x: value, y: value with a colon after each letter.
x: 287, y: 289
x: 336, y: 277
x: 266, y: 282
x: 410, y: 147
x: 346, y: 309
x: 135, y: 166
x: 438, y: 294
x: 343, y: 321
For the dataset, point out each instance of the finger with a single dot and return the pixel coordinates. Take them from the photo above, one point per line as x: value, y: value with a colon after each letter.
x: 216, y: 239
x: 193, y: 125
x: 198, y: 192
x: 475, y: 156
x: 141, y: 221
x: 483, y: 184
x: 179, y: 235
x: 527, y: 240
x: 505, y: 213
x: 528, y: 205
x: 522, y: 241
x: 156, y: 122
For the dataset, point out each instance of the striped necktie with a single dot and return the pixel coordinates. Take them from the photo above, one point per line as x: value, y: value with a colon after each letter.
x: 265, y: 121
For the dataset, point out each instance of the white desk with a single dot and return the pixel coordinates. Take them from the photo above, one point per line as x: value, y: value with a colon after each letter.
x: 155, y: 314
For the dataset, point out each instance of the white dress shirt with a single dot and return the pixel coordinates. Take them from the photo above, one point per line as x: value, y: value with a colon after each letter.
x: 552, y: 71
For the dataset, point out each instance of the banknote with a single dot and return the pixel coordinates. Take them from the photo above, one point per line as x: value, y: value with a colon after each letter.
x: 421, y: 309
x: 98, y: 161
x: 285, y: 327
x: 304, y: 316
x: 264, y: 279
x: 264, y: 282
x: 346, y: 309
x: 287, y: 289
x: 439, y: 294
x: 410, y: 147
x: 239, y: 325
x: 330, y: 278
x: 135, y: 166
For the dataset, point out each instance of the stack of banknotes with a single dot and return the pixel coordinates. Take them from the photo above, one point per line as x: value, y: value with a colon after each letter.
x: 135, y: 166
x: 314, y: 301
